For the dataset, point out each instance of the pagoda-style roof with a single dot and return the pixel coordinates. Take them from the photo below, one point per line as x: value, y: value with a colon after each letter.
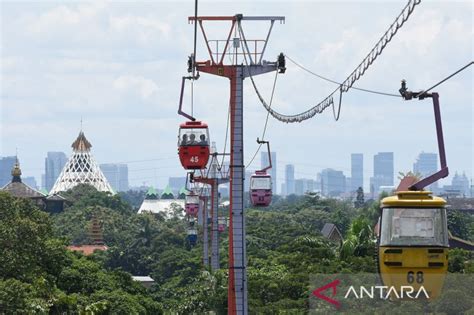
x: 167, y: 193
x: 81, y: 144
x: 56, y: 197
x: 19, y: 189
x: 182, y: 193
x: 151, y: 193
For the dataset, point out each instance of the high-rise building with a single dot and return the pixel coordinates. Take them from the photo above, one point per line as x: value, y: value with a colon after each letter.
x: 461, y: 183
x: 117, y: 175
x: 383, y: 171
x: 300, y: 186
x: 53, y: 165
x: 304, y: 185
x: 333, y: 183
x: 290, y: 179
x: 427, y: 164
x: 357, y: 171
x: 273, y: 170
x: 6, y: 165
x: 30, y: 181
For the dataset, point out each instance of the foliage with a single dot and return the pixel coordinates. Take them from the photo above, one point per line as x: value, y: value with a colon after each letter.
x: 284, y: 248
x: 38, y: 274
x: 460, y: 224
x: 359, y: 203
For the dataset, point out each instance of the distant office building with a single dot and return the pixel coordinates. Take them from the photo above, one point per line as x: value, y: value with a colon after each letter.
x: 273, y: 171
x: 383, y: 171
x: 299, y: 187
x: 290, y: 179
x: 117, y: 175
x: 461, y: 183
x: 333, y: 183
x: 30, y: 181
x: 53, y: 165
x: 176, y: 183
x: 304, y: 185
x: 6, y: 165
x: 357, y: 171
x: 427, y: 164
x: 283, y: 189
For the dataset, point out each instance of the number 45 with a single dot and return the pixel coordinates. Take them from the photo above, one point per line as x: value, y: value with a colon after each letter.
x: 194, y: 159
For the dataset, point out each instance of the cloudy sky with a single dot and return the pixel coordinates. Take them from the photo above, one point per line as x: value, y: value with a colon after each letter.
x: 118, y: 65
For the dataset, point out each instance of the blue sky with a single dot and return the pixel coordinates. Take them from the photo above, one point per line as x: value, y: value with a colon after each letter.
x: 118, y: 66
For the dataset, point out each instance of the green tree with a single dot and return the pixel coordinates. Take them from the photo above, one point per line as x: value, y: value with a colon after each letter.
x: 359, y: 203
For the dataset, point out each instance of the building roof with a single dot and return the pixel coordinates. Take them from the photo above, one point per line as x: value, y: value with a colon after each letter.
x: 81, y: 143
x: 167, y: 191
x: 19, y: 189
x: 143, y: 278
x: 151, y: 193
x: 457, y: 242
x: 81, y: 168
x: 162, y: 206
x: 56, y: 197
x: 87, y: 249
x: 329, y: 229
x: 182, y: 192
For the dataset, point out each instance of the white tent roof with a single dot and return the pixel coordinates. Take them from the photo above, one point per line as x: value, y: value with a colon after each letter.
x: 162, y: 206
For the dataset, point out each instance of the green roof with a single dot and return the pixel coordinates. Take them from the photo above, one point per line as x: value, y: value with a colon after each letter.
x: 167, y: 191
x: 44, y: 191
x: 182, y: 193
x: 151, y: 191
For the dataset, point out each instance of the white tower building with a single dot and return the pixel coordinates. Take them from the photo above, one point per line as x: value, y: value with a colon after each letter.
x: 81, y: 169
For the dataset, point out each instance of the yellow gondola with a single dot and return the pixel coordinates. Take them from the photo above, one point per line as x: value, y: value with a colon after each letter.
x: 413, y: 245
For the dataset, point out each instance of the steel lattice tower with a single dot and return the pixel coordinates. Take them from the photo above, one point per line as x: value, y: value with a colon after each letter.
x: 236, y: 73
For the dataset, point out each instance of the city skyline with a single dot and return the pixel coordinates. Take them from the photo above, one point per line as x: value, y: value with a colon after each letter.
x: 133, y: 79
x: 281, y: 168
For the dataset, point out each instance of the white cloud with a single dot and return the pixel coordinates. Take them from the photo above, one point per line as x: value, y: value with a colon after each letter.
x: 136, y: 84
x: 145, y: 29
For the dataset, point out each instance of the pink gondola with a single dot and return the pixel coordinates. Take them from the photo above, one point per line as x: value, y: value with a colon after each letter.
x: 192, y: 204
x: 261, y: 184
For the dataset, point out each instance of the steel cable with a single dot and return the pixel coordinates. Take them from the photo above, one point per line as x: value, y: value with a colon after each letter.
x: 350, y: 80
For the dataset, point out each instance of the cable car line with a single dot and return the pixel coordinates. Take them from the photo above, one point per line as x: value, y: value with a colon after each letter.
x: 335, y: 82
x: 448, y: 77
x: 266, y: 120
x: 350, y: 80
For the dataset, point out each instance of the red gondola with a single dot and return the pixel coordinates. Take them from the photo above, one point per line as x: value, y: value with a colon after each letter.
x: 193, y: 145
x: 192, y: 204
x: 261, y: 184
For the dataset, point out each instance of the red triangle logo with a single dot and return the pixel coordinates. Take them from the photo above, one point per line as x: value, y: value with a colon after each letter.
x: 333, y: 285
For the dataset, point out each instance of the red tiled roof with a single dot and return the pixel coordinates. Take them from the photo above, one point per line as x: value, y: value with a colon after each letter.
x: 87, y: 249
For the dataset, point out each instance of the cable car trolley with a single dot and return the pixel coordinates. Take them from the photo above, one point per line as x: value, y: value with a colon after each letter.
x: 261, y: 183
